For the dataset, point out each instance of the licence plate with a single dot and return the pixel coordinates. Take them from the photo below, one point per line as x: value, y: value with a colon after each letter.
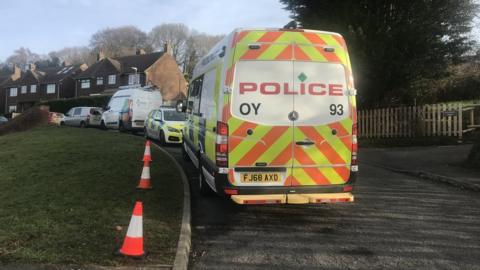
x: 260, y: 177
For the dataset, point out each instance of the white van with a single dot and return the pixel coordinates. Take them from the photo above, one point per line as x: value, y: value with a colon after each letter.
x: 271, y: 118
x: 129, y: 107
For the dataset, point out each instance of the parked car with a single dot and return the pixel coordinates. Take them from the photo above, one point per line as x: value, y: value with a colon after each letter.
x: 165, y: 125
x: 3, y: 120
x: 128, y: 108
x: 55, y: 118
x: 83, y: 117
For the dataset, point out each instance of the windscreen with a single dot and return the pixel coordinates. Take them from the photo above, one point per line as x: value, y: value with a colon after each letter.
x: 173, y: 116
x: 116, y: 103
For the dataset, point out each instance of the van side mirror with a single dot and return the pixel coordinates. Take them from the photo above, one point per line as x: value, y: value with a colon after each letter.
x: 180, y: 107
x: 222, y: 53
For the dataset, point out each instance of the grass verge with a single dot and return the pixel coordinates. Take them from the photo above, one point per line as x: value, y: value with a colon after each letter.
x: 65, y: 190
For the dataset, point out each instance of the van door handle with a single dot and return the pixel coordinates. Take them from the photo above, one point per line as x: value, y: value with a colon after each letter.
x: 303, y: 143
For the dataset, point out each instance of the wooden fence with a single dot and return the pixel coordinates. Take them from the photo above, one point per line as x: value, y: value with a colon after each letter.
x: 452, y: 119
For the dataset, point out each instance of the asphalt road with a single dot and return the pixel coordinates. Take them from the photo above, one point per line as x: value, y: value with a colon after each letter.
x: 396, y: 222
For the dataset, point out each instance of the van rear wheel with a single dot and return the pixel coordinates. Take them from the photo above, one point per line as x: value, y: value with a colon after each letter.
x: 184, y: 153
x: 121, y: 128
x: 203, y: 187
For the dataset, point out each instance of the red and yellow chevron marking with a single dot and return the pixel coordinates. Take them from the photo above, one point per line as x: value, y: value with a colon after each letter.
x: 305, y: 46
x: 324, y: 164
x: 260, y: 148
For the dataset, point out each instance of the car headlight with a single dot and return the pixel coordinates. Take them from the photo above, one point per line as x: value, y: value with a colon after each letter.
x: 171, y: 129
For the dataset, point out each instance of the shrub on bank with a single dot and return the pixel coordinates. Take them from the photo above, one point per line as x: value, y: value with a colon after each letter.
x: 27, y: 120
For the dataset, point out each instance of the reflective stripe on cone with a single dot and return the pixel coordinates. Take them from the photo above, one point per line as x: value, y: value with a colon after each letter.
x: 147, y: 155
x: 145, y: 182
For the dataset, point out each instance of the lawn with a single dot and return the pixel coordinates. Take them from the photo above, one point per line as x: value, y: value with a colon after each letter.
x: 64, y: 192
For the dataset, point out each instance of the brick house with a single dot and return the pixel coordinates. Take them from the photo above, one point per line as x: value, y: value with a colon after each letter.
x: 23, y: 89
x: 158, y: 69
x: 3, y: 80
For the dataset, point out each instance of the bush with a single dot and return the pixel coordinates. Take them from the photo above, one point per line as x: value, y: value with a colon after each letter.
x: 63, y: 105
x: 27, y: 120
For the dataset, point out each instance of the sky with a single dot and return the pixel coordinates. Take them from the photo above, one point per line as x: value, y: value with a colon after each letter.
x: 45, y: 26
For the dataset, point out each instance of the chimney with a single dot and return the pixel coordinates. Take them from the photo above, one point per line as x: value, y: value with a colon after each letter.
x: 17, y: 73
x: 140, y: 51
x: 100, y: 55
x: 167, y: 48
x: 33, y: 67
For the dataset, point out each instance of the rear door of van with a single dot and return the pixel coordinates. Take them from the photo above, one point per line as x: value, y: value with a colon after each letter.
x: 290, y: 121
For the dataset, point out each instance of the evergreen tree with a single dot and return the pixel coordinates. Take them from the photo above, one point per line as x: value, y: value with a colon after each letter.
x: 393, y: 43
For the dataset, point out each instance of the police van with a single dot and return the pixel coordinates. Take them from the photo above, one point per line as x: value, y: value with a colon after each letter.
x: 271, y: 118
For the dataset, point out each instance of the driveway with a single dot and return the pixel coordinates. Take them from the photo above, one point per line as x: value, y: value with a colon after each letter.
x: 396, y: 222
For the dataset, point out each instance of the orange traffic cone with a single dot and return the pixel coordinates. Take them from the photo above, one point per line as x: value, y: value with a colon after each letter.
x: 145, y: 178
x: 133, y: 243
x: 147, y: 156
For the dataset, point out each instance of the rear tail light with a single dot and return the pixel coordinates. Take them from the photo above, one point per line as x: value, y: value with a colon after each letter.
x: 221, y: 146
x: 354, y: 146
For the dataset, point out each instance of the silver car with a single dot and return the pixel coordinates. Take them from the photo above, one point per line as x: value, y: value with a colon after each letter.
x: 83, y: 117
x: 3, y: 120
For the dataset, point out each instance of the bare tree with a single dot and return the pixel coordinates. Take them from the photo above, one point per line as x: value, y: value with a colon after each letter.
x: 22, y: 57
x: 197, y: 46
x: 120, y: 41
x: 176, y: 34
x: 73, y: 55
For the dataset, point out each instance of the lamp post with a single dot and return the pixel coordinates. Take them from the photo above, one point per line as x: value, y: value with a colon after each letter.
x: 136, y: 81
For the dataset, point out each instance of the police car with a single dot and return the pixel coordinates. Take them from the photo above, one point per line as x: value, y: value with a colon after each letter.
x: 165, y: 124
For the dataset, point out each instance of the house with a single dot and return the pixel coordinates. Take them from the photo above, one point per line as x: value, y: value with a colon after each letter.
x: 158, y: 69
x: 23, y: 89
x: 3, y: 80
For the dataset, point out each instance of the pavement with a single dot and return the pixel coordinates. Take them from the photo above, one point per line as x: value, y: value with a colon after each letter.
x: 439, y: 163
x: 396, y: 222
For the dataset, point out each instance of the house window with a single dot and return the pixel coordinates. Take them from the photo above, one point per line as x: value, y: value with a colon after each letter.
x: 12, y: 108
x: 33, y: 88
x: 99, y: 80
x: 51, y: 88
x: 133, y: 79
x: 13, y: 92
x: 112, y: 79
x: 85, y: 84
x: 24, y: 89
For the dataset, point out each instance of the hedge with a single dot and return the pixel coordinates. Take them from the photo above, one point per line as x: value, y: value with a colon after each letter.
x: 63, y: 105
